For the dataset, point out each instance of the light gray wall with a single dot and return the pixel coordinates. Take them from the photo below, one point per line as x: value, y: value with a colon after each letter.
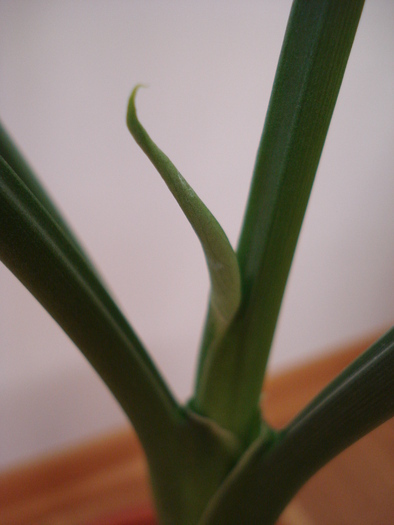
x: 67, y: 68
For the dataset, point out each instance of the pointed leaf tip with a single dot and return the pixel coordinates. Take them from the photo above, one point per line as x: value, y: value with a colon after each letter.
x: 131, y: 116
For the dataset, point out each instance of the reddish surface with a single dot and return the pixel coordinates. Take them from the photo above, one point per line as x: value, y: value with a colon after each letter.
x: 142, y: 516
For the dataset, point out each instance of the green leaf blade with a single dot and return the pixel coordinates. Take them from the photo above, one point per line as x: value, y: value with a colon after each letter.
x: 34, y: 247
x: 13, y: 157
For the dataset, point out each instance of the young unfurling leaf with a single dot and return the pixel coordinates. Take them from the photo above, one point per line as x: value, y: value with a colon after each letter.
x: 220, y: 256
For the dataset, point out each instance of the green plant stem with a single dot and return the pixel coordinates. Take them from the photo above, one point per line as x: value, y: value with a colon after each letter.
x: 316, y: 48
x: 357, y: 401
x: 188, y: 456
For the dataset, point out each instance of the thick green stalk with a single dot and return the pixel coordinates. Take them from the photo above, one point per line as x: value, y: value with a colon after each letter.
x: 357, y: 401
x: 188, y: 456
x: 316, y: 48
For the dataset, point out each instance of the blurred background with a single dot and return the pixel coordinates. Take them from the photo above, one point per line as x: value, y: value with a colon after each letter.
x: 66, y: 71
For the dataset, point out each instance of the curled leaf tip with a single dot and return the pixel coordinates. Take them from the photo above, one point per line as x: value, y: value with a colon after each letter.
x: 131, y: 116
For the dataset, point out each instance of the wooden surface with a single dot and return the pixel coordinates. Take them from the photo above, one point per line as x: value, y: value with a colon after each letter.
x: 109, y: 474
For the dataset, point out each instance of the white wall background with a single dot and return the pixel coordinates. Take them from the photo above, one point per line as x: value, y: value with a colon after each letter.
x: 66, y: 71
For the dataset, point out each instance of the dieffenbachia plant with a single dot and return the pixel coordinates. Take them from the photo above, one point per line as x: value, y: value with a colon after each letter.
x: 216, y: 460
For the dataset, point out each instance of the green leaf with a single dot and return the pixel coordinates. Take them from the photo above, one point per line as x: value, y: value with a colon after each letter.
x: 221, y: 259
x: 357, y: 401
x: 16, y: 161
x: 315, y: 51
x: 34, y: 247
x: 14, y: 158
